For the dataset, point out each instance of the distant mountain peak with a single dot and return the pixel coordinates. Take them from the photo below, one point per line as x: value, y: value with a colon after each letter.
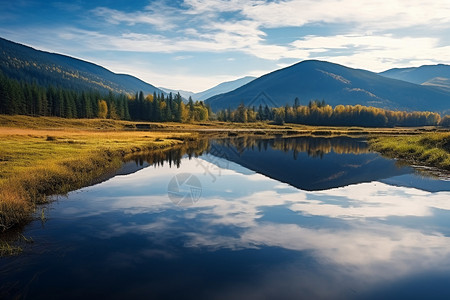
x: 223, y: 87
x: 418, y: 75
x: 336, y: 84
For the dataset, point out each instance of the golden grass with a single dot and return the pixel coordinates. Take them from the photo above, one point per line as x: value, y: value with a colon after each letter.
x: 35, y: 163
x: 430, y: 149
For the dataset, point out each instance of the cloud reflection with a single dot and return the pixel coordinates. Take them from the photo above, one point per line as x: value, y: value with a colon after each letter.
x: 371, y: 238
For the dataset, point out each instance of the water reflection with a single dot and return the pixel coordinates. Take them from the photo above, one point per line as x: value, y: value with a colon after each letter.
x: 372, y: 230
x: 248, y: 237
x: 137, y: 161
x: 308, y: 163
x: 313, y: 146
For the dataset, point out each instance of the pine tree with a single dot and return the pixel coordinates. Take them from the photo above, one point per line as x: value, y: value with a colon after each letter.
x: 296, y: 103
x: 191, y: 108
x: 179, y: 108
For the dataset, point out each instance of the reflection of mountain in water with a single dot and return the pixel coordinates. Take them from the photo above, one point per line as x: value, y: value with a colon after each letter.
x: 309, y: 163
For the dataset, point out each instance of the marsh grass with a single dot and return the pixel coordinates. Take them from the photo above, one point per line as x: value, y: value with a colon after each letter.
x: 8, y: 249
x: 36, y: 163
x: 12, y: 244
x: 429, y: 149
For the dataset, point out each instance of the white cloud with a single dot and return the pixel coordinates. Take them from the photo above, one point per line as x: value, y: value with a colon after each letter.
x: 373, y: 34
x: 196, y: 7
x: 375, y: 14
x: 365, y: 44
x: 374, y: 52
x: 147, y: 17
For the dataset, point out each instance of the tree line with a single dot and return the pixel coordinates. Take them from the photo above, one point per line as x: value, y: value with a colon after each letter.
x: 24, y: 98
x: 319, y: 113
x: 20, y: 97
x: 167, y: 108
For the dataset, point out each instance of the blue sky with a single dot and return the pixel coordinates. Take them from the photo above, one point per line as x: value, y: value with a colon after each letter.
x: 195, y: 44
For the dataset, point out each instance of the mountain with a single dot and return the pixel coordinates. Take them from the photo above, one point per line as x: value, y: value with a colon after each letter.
x: 25, y: 63
x: 184, y: 94
x: 336, y: 84
x: 430, y: 75
x: 223, y: 87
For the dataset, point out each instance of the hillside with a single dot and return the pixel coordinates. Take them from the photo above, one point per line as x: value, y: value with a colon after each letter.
x: 25, y: 63
x: 439, y: 82
x: 336, y: 84
x: 223, y: 87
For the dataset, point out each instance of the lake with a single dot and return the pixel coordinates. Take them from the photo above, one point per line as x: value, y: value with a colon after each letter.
x: 243, y: 218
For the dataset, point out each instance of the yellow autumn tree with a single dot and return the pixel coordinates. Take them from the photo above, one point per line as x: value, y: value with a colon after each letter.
x: 102, y: 109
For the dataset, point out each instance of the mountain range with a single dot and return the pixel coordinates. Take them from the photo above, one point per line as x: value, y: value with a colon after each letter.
x: 184, y: 94
x: 221, y: 88
x: 25, y: 63
x: 421, y: 88
x: 336, y: 84
x: 431, y: 75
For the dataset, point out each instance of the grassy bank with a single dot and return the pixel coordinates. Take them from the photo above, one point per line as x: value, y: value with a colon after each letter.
x: 428, y: 149
x: 39, y: 162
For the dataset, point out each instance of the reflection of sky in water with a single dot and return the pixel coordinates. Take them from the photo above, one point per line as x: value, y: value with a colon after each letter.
x: 353, y: 241
x: 349, y: 226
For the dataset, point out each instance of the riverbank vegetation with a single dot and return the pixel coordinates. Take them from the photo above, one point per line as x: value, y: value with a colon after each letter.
x: 429, y: 149
x: 35, y: 163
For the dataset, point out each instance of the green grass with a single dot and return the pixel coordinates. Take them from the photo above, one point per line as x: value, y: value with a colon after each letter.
x: 429, y: 149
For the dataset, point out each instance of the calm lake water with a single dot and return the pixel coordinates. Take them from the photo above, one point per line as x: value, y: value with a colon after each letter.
x: 243, y: 218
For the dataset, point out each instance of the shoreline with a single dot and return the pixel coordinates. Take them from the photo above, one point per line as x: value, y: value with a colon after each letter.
x: 56, y: 156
